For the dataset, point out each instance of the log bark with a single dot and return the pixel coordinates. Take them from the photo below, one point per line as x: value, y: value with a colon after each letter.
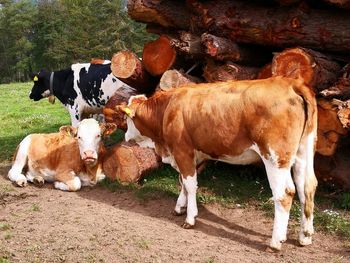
x: 223, y: 49
x: 316, y: 69
x: 189, y: 44
x: 121, y: 96
x: 339, y: 3
x: 228, y: 71
x: 174, y: 78
x: 343, y: 112
x: 265, y: 72
x: 127, y: 67
x: 329, y: 128
x: 252, y: 22
x: 166, y: 13
x: 128, y: 163
x: 341, y: 89
x: 158, y: 56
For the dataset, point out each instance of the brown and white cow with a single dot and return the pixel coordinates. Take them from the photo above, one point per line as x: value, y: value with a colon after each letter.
x: 239, y: 122
x: 70, y: 158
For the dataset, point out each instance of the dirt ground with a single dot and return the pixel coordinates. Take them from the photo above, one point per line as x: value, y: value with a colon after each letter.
x: 96, y: 225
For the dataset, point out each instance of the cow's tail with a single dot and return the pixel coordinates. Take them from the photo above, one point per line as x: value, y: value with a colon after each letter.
x: 19, y: 162
x: 307, y: 145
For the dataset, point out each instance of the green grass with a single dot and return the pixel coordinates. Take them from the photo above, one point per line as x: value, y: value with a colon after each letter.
x: 21, y: 116
x: 228, y: 185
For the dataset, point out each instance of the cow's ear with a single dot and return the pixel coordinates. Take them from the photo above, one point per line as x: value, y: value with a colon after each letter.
x: 125, y: 109
x: 107, y: 128
x: 69, y: 130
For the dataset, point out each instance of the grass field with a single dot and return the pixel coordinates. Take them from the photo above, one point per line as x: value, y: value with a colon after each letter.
x: 228, y: 185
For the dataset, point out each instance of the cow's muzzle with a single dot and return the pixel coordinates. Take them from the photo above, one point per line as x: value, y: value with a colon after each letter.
x: 89, y: 157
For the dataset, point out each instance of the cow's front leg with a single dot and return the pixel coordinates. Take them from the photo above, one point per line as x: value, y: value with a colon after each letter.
x: 190, y: 183
x: 75, y: 114
x: 67, y: 181
x: 181, y: 203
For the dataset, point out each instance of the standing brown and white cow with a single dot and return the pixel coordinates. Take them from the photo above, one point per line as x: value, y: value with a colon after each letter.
x: 70, y: 158
x: 239, y: 122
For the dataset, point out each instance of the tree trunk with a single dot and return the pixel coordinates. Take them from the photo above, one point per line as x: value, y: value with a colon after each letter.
x: 343, y: 112
x: 128, y: 163
x: 329, y: 128
x: 341, y: 89
x: 252, y: 22
x: 121, y: 96
x: 340, y: 3
x: 166, y: 13
x: 158, y: 56
x: 189, y: 44
x: 265, y: 72
x: 174, y: 78
x: 316, y: 69
x: 229, y: 71
x: 127, y: 67
x: 223, y: 49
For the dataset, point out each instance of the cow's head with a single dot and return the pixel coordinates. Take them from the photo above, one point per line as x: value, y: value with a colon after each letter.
x: 89, y: 136
x: 41, y: 88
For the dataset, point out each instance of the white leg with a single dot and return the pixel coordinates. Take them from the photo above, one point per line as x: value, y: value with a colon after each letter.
x: 283, y: 190
x: 190, y: 183
x: 305, y: 180
x: 15, y: 173
x: 71, y: 185
x: 181, y: 200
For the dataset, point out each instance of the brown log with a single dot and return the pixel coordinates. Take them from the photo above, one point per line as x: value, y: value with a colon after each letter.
x: 166, y: 13
x: 251, y: 22
x: 97, y: 61
x: 288, y: 2
x: 223, y: 49
x: 341, y: 89
x: 343, y: 112
x: 334, y: 170
x: 128, y: 163
x: 228, y: 71
x: 174, y: 78
x: 126, y: 66
x: 329, y: 128
x: 121, y: 96
x: 158, y: 56
x: 339, y: 3
x: 265, y: 72
x: 316, y: 69
x: 189, y: 44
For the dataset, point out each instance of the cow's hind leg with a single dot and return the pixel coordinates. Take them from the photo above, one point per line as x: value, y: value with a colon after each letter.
x: 181, y: 203
x: 306, y: 183
x: 15, y: 174
x: 35, y: 179
x: 190, y: 183
x: 283, y: 190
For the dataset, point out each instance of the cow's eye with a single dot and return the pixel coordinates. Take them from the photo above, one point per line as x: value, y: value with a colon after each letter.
x: 98, y: 135
x: 79, y: 137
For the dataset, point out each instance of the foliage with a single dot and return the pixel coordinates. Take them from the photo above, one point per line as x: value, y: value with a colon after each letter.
x: 53, y: 34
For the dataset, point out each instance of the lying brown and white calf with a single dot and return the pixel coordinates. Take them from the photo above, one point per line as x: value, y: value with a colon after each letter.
x: 69, y: 158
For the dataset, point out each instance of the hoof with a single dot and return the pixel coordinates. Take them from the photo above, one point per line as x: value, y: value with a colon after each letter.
x: 276, y: 246
x: 38, y: 181
x: 187, y: 226
x: 183, y: 211
x: 305, y: 241
x: 21, y: 183
x: 271, y: 250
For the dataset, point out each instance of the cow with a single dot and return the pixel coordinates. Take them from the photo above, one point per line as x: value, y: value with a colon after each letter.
x: 83, y: 89
x: 70, y: 158
x: 238, y: 122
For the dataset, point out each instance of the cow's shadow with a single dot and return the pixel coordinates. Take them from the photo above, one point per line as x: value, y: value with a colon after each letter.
x: 161, y: 206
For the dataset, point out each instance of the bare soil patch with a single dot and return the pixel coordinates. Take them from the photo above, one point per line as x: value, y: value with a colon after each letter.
x: 96, y: 225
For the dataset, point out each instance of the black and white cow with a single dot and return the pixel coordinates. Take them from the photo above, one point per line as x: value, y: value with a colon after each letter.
x: 83, y: 89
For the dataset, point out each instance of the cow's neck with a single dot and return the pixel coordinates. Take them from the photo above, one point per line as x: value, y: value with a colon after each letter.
x: 60, y: 80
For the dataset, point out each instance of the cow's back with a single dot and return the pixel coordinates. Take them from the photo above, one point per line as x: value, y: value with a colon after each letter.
x: 227, y: 118
x: 54, y: 151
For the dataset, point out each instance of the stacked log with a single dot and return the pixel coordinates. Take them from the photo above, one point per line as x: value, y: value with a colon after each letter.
x: 209, y: 41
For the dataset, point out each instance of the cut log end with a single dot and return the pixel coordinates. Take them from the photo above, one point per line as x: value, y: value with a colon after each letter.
x: 158, y: 56
x: 123, y: 64
x: 173, y: 79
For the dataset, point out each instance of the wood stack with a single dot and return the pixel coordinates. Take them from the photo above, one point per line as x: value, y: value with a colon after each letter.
x: 208, y: 41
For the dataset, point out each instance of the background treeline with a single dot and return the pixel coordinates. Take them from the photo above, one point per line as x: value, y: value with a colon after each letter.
x: 52, y: 34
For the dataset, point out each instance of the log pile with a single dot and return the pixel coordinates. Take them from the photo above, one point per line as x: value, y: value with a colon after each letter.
x: 208, y: 41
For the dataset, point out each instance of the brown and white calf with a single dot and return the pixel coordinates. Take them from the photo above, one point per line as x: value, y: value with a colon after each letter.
x: 239, y: 122
x: 69, y: 158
